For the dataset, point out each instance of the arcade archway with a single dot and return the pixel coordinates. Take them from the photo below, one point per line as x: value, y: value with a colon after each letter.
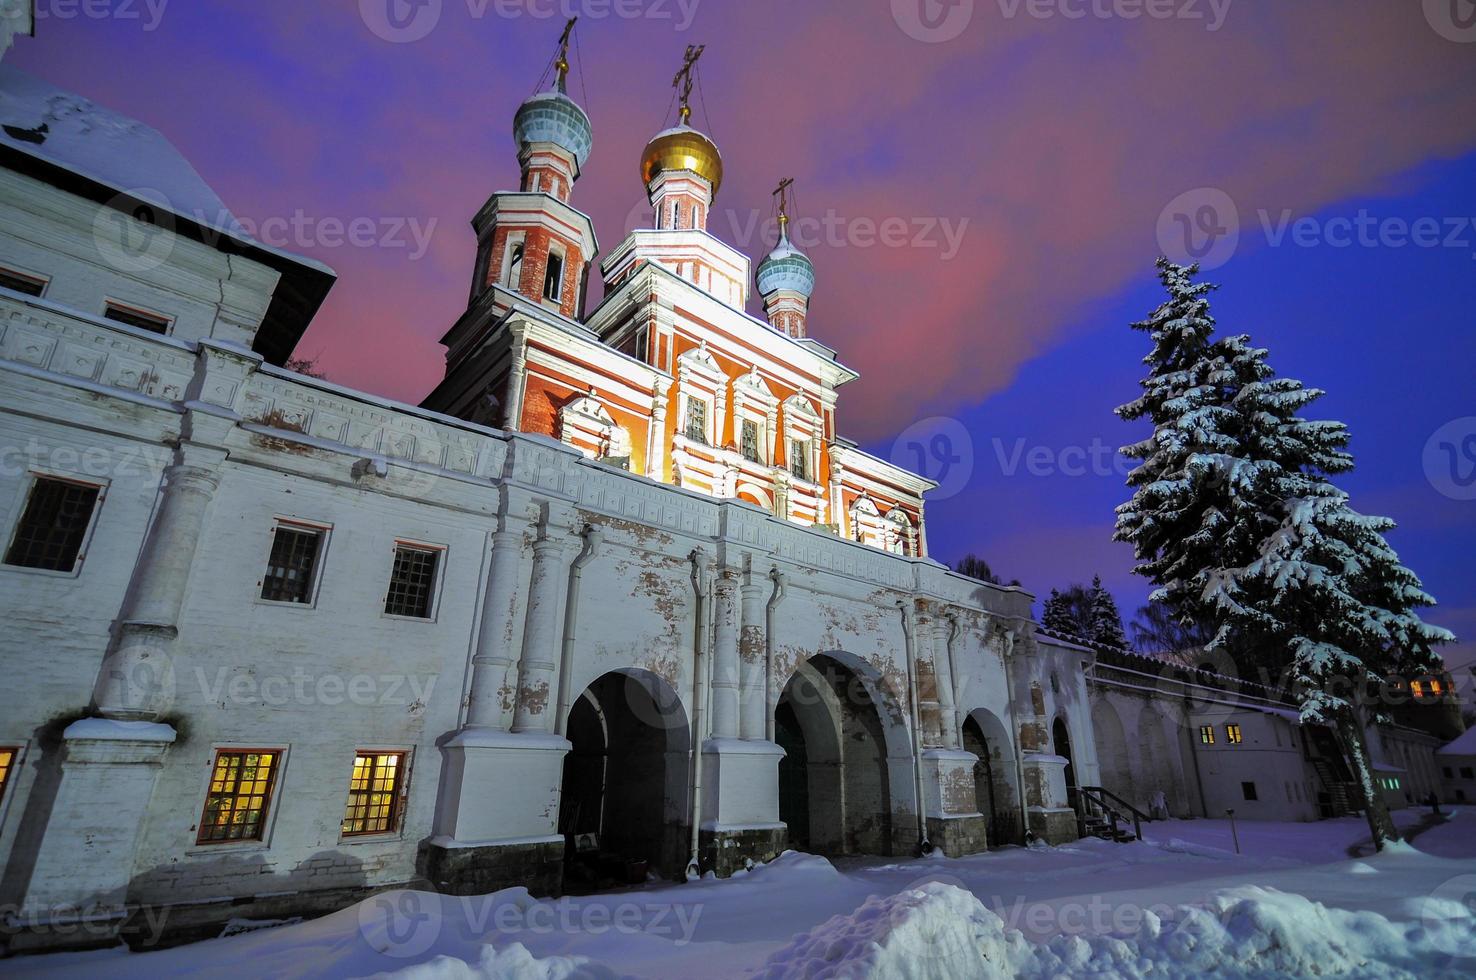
x: 835, y: 790
x: 995, y: 791
x: 1112, y: 752
x: 624, y: 802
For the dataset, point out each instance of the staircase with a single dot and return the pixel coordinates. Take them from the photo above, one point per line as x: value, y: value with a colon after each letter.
x: 1100, y: 811
x: 1340, y: 795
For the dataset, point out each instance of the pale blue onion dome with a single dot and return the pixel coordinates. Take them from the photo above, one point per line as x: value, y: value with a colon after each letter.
x: 786, y: 267
x: 553, y: 117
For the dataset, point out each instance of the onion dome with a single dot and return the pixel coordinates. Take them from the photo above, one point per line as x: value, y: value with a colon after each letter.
x: 553, y: 117
x: 683, y: 148
x: 786, y: 267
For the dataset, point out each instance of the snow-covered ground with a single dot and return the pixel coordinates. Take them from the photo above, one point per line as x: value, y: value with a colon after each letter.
x: 1295, y: 901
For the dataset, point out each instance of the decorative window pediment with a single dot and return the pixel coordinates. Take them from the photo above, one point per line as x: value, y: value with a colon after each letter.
x: 588, y: 426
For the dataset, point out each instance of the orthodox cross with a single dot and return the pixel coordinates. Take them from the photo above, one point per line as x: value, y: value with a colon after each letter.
x: 782, y: 193
x: 562, y: 64
x: 684, y: 80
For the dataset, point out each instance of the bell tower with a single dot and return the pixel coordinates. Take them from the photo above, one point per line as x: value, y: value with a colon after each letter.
x: 531, y: 241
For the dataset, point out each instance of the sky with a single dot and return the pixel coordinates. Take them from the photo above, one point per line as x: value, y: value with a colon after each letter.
x: 983, y: 186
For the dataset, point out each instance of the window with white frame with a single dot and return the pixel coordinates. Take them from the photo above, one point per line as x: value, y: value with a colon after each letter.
x: 748, y: 441
x: 512, y: 262
x: 414, y: 574
x: 294, y: 563
x: 22, y: 282
x: 133, y: 316
x: 696, y: 424
x: 799, y: 459
x: 54, y: 525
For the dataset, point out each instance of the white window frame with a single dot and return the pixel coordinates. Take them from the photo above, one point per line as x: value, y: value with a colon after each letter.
x: 555, y: 251
x: 144, y: 311
x: 28, y: 487
x: 515, y: 239
x: 20, y: 273
x: 325, y: 532
x: 441, y: 551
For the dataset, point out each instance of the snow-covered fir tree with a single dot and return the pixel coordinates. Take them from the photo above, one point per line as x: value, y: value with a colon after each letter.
x: 1180, y: 518
x: 1106, y: 620
x: 1325, y: 591
x: 1235, y: 518
x: 1054, y: 615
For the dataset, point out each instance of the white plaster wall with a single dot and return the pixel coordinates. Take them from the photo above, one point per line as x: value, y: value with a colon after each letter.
x: 93, y: 254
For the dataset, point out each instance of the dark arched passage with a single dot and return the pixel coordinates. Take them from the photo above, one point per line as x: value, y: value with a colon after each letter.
x: 995, y: 792
x: 834, y: 781
x: 624, y: 801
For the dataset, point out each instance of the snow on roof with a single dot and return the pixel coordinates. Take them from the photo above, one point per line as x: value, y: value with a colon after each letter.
x: 60, y: 127
x: 1464, y: 744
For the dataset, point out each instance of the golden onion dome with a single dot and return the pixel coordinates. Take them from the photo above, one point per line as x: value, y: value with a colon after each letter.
x: 683, y: 148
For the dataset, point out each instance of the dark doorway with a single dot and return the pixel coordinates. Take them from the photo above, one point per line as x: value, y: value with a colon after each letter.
x: 834, y: 788
x: 624, y: 801
x: 794, y: 776
x: 1062, y: 740
x: 994, y: 778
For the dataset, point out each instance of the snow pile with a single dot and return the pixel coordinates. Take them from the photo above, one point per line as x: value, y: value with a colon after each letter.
x: 513, y: 962
x: 930, y: 932
x: 939, y: 931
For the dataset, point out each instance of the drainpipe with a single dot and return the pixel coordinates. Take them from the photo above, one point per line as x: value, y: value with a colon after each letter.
x: 702, y: 589
x: 592, y: 536
x: 781, y: 582
x: 1009, y: 654
x: 924, y: 846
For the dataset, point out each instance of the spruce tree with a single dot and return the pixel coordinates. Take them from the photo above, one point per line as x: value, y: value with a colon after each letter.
x: 1053, y: 615
x: 1325, y: 591
x: 1106, y: 620
x: 1236, y: 520
x: 1180, y: 518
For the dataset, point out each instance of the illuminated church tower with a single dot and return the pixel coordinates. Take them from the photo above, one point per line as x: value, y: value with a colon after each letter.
x: 786, y: 277
x: 532, y: 241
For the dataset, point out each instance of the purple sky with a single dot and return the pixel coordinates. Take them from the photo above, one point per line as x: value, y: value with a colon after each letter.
x: 1026, y: 164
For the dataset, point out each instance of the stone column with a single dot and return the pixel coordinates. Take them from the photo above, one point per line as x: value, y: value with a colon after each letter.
x: 943, y: 629
x: 927, y: 678
x: 137, y: 680
x: 516, y: 385
x: 725, y: 656
x: 535, y: 705
x: 656, y: 444
x: 752, y: 651
x: 491, y: 703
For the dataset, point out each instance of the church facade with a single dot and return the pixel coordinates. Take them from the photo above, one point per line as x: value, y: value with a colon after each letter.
x: 618, y: 599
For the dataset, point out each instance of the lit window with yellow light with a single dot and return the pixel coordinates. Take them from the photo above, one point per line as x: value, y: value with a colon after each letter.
x: 239, y: 795
x: 1232, y: 734
x: 374, y: 794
